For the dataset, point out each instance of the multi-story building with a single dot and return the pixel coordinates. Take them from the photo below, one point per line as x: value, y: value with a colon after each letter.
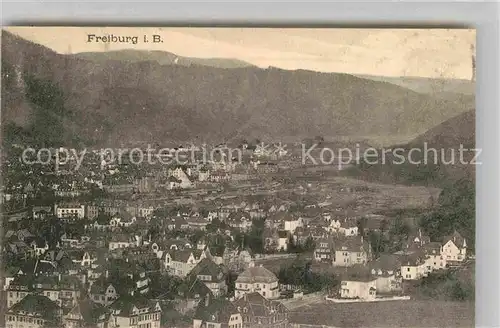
x: 454, y: 248
x: 87, y: 314
x: 364, y: 288
x: 257, y: 279
x: 135, y: 311
x: 212, y: 275
x: 181, y: 262
x: 33, y: 311
x: 259, y: 312
x: 69, y: 210
x: 350, y: 251
x: 219, y: 313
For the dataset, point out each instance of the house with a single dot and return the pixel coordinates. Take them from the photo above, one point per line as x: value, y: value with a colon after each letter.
x: 283, y: 240
x: 40, y: 246
x: 416, y: 241
x: 218, y: 313
x: 212, y: 275
x: 33, y: 311
x: 18, y: 288
x: 240, y: 220
x: 363, y: 287
x: 324, y: 251
x: 257, y: 279
x: 292, y: 222
x: 413, y: 266
x: 123, y: 241
x: 454, y: 248
x: 122, y: 219
x: 350, y: 251
x: 259, y: 312
x: 173, y: 244
x: 62, y: 289
x: 87, y: 314
x: 237, y: 260
x: 41, y: 212
x: 103, y: 292
x: 346, y: 226
x: 435, y: 259
x: 181, y: 262
x: 387, y: 270
x: 182, y: 176
x: 10, y: 274
x: 177, y: 223
x: 69, y: 210
x: 197, y: 223
x: 135, y: 311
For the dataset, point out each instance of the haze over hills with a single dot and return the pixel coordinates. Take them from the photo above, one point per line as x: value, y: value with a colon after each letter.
x: 161, y: 57
x: 441, y: 87
x: 437, y: 169
x: 124, y: 102
x: 431, y: 53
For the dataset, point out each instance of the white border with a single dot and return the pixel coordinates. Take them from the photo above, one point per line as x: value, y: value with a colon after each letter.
x: 483, y: 16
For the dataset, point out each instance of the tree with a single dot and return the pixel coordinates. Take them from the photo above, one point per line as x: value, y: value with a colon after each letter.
x: 309, y: 244
x: 456, y: 211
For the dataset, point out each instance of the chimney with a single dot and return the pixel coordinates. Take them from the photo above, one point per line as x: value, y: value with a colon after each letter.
x: 207, y: 300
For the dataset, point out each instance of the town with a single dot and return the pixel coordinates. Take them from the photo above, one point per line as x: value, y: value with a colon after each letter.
x: 230, y: 243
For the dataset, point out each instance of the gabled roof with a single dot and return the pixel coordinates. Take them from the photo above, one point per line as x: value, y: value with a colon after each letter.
x: 207, y: 267
x: 90, y: 312
x: 180, y: 255
x: 218, y: 311
x: 257, y: 274
x: 386, y: 262
x: 38, y: 305
x: 456, y: 238
x: 257, y: 305
x: 125, y: 304
x: 351, y: 244
x: 239, y: 216
x: 414, y: 259
x: 100, y: 286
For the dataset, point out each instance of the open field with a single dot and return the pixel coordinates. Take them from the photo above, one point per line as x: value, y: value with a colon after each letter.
x: 387, y: 314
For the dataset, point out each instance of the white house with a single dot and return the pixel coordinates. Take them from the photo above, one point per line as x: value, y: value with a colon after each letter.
x: 135, y: 311
x: 413, y: 266
x: 362, y: 288
x: 387, y: 271
x: 181, y: 262
x: 292, y: 223
x: 351, y: 251
x: 183, y: 177
x: 69, y: 210
x: 454, y: 248
x: 257, y: 279
x: 435, y: 260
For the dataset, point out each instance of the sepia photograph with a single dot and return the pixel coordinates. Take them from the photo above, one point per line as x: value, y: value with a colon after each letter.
x: 237, y: 177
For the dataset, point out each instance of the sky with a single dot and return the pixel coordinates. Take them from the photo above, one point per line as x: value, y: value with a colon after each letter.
x: 436, y: 53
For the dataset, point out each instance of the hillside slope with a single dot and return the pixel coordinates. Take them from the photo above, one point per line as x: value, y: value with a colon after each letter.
x: 439, y: 168
x: 120, y: 102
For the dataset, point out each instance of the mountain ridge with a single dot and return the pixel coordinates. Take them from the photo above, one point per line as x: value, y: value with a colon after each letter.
x: 117, y: 102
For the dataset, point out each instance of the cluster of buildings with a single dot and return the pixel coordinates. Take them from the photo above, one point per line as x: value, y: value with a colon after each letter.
x: 385, y: 274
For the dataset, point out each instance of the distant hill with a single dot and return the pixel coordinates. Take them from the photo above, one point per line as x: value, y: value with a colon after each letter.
x: 443, y: 87
x: 160, y: 57
x: 445, y: 137
x: 58, y: 99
